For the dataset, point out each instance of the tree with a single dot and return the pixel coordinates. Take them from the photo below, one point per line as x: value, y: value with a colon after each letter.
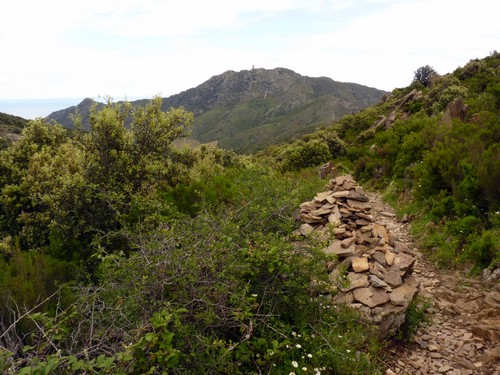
x: 424, y: 75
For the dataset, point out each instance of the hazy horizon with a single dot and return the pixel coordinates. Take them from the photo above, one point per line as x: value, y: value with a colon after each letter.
x: 33, y: 108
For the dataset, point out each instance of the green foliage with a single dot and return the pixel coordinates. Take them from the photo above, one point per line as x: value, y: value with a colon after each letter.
x: 180, y: 260
x: 153, y: 350
x: 304, y: 154
x: 416, y: 317
x: 223, y: 291
x: 10, y: 129
x: 484, y: 250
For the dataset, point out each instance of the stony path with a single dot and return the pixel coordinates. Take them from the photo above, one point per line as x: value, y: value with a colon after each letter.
x: 463, y: 337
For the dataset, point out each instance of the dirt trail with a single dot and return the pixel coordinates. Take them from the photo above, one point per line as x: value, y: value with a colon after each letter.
x: 463, y: 336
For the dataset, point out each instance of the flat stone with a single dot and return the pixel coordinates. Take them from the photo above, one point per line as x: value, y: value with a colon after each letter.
x: 346, y: 298
x: 308, y: 218
x: 341, y: 194
x: 379, y: 257
x: 337, y: 249
x: 320, y: 212
x: 331, y: 199
x: 358, y: 196
x: 378, y: 270
x: 383, y: 248
x: 360, y: 264
x: 362, y: 295
x: 322, y: 195
x: 370, y: 297
x: 348, y: 242
x: 433, y: 348
x: 309, y: 206
x: 356, y: 280
x: 393, y: 278
x: 368, y: 228
x: 378, y: 283
x: 342, y: 233
x: 358, y: 204
x: 306, y: 229
x: 404, y: 263
x: 380, y: 231
x: 412, y: 281
x: 400, y: 247
x: 363, y: 222
x: 365, y: 216
x: 349, y: 184
x: 389, y: 257
x: 339, y: 180
x: 402, y: 295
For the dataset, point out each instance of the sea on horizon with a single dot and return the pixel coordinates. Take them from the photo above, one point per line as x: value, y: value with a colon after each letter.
x: 34, y: 108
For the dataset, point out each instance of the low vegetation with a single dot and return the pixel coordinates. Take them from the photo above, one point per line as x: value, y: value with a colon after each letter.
x: 121, y: 253
x: 434, y: 147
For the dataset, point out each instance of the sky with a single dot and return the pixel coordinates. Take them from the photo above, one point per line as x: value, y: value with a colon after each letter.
x: 131, y: 49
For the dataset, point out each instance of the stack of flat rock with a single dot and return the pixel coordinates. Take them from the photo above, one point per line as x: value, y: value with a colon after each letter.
x: 372, y: 269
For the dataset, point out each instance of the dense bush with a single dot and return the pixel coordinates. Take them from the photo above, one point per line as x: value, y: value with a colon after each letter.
x: 126, y: 255
x: 221, y: 292
x: 304, y: 154
x: 447, y: 167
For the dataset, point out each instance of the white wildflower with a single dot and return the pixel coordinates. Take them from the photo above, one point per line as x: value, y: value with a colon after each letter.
x: 295, y: 364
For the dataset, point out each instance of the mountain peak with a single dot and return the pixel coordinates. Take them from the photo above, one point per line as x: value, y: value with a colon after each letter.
x: 249, y: 109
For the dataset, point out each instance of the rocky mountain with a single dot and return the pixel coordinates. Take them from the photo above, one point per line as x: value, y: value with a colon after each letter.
x: 250, y: 109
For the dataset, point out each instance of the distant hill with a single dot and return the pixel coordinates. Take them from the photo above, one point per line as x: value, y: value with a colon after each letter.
x: 10, y: 128
x: 250, y: 109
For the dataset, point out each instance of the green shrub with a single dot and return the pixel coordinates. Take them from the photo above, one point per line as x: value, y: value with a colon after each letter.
x: 417, y: 315
x: 484, y: 250
x: 304, y: 154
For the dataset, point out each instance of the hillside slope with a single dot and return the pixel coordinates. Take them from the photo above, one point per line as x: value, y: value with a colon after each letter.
x: 247, y: 110
x: 10, y: 128
x: 436, y: 148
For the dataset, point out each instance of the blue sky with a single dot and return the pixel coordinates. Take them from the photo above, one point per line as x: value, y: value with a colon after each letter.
x: 140, y: 48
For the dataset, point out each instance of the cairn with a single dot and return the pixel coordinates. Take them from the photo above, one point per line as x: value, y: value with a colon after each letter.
x: 377, y: 267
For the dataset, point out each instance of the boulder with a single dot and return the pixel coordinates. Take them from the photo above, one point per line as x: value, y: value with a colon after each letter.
x: 306, y: 229
x: 360, y: 264
x: 337, y: 249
